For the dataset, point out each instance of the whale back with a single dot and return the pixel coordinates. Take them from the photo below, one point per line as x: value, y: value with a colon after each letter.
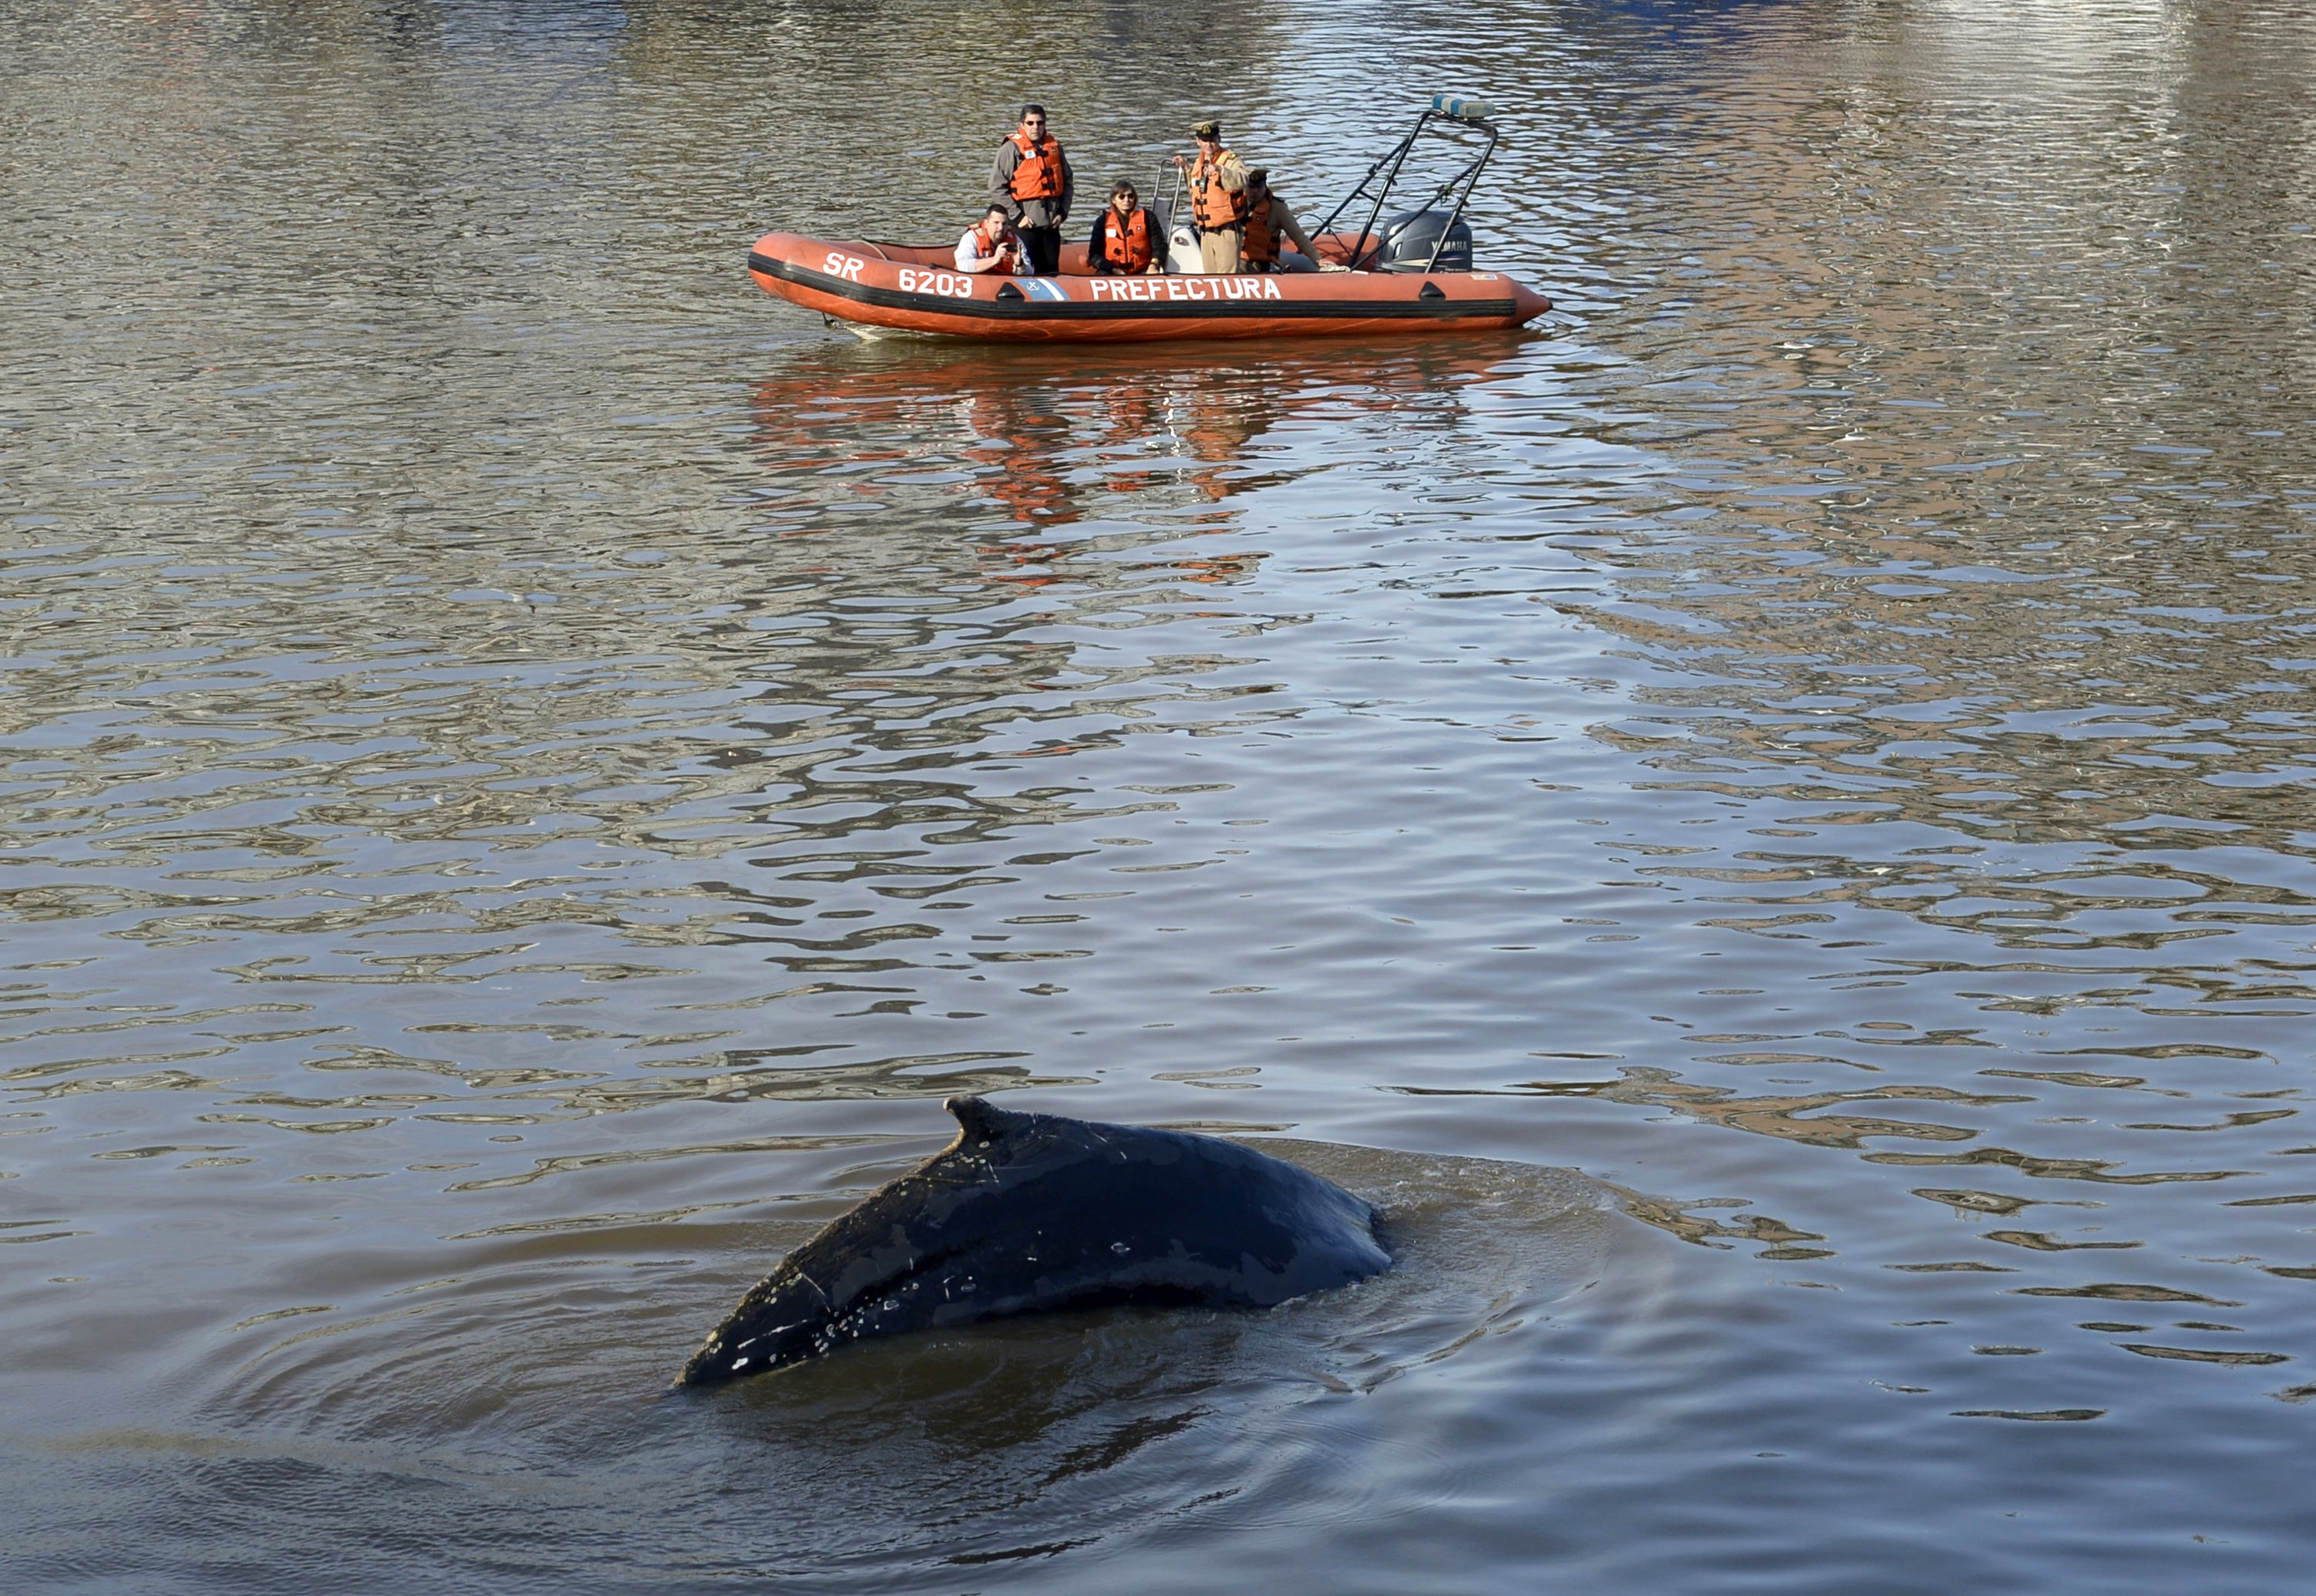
x: 1027, y: 1212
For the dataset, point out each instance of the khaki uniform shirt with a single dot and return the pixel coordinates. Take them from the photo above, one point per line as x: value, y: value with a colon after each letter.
x: 1283, y: 225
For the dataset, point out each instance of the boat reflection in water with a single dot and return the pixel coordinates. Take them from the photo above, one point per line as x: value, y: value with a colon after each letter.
x: 917, y: 429
x: 937, y: 486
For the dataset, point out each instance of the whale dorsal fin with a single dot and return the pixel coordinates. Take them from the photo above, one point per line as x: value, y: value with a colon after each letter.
x: 984, y: 1121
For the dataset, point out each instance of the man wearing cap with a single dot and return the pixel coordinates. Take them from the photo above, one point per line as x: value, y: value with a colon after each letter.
x: 1030, y: 181
x: 1218, y: 198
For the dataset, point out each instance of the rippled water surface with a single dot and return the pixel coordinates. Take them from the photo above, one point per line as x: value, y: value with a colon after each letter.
x: 1767, y: 820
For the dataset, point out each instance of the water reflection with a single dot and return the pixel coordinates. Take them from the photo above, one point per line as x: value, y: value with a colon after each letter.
x: 1056, y: 443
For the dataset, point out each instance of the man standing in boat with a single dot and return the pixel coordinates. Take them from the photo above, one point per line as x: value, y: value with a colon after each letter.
x: 1030, y: 181
x: 1218, y: 198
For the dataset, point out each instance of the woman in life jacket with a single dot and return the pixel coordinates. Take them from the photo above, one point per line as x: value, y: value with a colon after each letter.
x: 1126, y: 240
x: 991, y: 244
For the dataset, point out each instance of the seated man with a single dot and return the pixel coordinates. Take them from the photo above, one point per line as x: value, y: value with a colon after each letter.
x: 1267, y: 220
x: 991, y: 244
x: 1126, y: 238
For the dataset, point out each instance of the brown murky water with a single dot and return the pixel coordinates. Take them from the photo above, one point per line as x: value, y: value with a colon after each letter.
x: 1768, y: 821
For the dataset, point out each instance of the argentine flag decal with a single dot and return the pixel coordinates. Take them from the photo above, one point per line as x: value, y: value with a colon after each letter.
x: 1041, y: 287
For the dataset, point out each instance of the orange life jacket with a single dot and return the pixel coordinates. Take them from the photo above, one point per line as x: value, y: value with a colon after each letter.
x: 1261, y: 245
x: 1128, y: 246
x: 1039, y: 174
x: 1212, y: 205
x: 984, y: 246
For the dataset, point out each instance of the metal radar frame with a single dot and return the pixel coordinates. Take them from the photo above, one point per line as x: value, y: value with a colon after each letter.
x: 1455, y: 108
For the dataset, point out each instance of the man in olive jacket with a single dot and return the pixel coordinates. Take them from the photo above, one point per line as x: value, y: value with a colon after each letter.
x: 1030, y: 180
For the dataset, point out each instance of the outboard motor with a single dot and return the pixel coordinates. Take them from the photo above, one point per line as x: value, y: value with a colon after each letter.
x: 1433, y: 238
x: 1410, y: 237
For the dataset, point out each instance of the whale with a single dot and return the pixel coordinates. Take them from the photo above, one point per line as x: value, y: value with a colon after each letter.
x: 1027, y: 1212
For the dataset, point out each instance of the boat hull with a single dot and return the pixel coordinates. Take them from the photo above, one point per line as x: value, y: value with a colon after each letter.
x: 915, y: 289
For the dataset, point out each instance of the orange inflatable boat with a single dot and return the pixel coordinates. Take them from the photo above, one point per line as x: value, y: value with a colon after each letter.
x: 1410, y: 272
x: 920, y: 290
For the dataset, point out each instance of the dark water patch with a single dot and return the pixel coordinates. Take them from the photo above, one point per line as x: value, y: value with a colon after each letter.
x: 547, y: 1355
